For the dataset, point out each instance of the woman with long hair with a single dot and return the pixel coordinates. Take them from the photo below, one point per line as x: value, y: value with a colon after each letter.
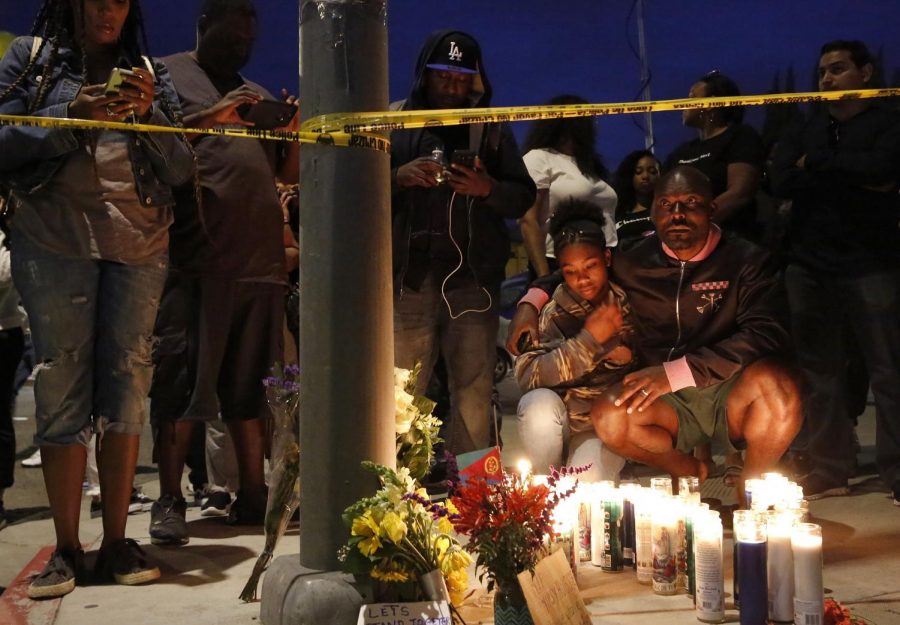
x: 89, y: 241
x: 561, y: 157
x: 633, y: 180
x: 729, y: 152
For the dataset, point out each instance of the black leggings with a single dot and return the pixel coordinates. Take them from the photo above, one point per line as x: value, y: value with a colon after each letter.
x: 12, y: 344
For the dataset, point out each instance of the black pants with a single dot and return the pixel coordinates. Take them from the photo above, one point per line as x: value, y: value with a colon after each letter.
x: 12, y: 343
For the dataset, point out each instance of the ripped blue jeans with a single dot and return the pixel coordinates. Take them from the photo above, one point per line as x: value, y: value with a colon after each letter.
x: 92, y: 327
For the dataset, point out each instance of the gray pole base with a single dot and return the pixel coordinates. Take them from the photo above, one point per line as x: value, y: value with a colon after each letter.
x: 295, y: 595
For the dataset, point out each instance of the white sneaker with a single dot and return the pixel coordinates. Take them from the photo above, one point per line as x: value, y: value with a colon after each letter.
x: 33, y: 461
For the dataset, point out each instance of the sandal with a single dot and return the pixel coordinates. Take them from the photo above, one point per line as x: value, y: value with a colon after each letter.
x: 59, y: 575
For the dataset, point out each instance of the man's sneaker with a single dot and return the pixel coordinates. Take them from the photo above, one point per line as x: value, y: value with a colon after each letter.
x: 3, y: 521
x: 817, y: 487
x: 59, y: 576
x: 243, y: 512
x: 216, y: 504
x: 167, y: 521
x: 139, y: 502
x: 124, y: 562
x: 33, y: 461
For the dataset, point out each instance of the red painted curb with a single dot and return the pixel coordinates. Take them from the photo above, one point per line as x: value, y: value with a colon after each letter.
x: 15, y: 606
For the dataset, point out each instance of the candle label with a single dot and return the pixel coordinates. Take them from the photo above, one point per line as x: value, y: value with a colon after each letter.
x: 710, y: 582
x: 691, y: 564
x: 664, y: 564
x: 611, y: 560
x: 644, y: 550
x: 584, y: 532
x: 681, y: 559
x: 628, y: 529
x: 807, y: 612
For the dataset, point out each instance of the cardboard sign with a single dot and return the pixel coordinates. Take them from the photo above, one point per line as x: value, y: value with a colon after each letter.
x: 421, y: 613
x: 552, y: 594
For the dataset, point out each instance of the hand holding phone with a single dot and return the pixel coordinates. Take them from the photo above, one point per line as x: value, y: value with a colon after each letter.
x: 116, y: 79
x: 466, y: 158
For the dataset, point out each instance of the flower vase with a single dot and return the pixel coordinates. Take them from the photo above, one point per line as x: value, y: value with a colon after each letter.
x: 510, y: 607
x: 434, y: 586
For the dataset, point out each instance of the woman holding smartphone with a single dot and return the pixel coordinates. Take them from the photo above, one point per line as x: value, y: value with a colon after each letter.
x: 89, y: 245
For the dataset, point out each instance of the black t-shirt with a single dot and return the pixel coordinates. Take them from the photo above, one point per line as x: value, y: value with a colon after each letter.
x: 738, y: 144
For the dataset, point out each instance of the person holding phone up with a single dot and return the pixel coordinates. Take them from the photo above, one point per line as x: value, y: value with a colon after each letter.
x: 89, y: 243
x: 449, y: 239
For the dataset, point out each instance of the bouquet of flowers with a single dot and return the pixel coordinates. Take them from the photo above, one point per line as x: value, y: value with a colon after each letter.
x: 417, y: 429
x: 836, y: 614
x: 283, y: 394
x: 507, y: 522
x: 398, y: 536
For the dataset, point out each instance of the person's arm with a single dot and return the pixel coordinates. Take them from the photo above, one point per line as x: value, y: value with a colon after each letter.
x: 289, y: 153
x: 559, y: 361
x: 874, y: 166
x: 22, y: 146
x: 224, y: 112
x: 512, y: 190
x: 533, y: 234
x: 525, y: 319
x: 743, y: 182
x: 171, y: 158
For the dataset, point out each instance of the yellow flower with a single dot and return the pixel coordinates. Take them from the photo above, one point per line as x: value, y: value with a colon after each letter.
x: 450, y: 507
x: 364, y: 525
x: 389, y: 573
x: 368, y: 546
x: 393, y: 527
x: 455, y: 560
x: 444, y: 526
x: 457, y: 584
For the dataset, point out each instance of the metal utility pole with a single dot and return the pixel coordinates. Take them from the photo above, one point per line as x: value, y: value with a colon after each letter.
x: 346, y: 320
x: 645, y: 76
x: 346, y: 352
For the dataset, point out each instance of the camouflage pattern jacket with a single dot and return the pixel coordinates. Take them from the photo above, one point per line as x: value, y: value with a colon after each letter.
x: 570, y: 361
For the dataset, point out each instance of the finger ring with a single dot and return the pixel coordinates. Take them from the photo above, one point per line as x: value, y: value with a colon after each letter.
x: 645, y: 392
x: 110, y: 112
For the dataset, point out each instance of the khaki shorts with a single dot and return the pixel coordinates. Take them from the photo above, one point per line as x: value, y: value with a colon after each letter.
x: 702, y: 416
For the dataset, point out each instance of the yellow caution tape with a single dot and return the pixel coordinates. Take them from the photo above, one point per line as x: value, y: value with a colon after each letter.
x: 396, y: 120
x: 364, y: 140
x: 366, y: 129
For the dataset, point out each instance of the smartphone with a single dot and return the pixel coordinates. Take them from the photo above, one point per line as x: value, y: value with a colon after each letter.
x: 524, y: 344
x: 116, y: 78
x: 466, y: 158
x: 267, y: 114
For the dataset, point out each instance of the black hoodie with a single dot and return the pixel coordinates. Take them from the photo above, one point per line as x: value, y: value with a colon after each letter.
x: 478, y: 226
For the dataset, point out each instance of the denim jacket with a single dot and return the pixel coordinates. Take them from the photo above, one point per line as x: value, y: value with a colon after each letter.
x: 31, y: 156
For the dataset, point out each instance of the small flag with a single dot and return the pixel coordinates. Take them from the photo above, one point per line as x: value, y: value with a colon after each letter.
x: 484, y: 463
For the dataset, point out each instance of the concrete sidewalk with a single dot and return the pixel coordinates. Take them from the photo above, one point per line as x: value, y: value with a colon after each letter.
x: 201, y: 581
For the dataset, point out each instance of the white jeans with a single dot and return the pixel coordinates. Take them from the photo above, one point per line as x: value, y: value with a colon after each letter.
x: 545, y: 434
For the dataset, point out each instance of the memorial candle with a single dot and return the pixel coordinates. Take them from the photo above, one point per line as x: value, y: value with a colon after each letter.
x: 665, y: 545
x: 750, y: 534
x: 662, y: 485
x: 710, y: 576
x: 806, y: 545
x: 643, y: 535
x: 780, y: 565
x: 629, y: 494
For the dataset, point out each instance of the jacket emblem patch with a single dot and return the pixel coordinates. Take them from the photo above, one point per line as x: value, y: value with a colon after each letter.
x: 711, y: 294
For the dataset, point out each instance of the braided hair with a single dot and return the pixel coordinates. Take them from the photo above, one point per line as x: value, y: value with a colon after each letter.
x: 577, y: 221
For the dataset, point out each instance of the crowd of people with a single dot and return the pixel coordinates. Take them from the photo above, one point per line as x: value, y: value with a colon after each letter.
x: 659, y: 328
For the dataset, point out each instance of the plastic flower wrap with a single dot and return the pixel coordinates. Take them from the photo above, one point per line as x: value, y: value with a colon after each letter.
x: 398, y: 535
x: 508, y: 521
x: 417, y: 429
x: 283, y: 395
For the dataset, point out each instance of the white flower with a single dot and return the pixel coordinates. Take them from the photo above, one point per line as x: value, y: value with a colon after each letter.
x: 401, y: 377
x: 404, y: 411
